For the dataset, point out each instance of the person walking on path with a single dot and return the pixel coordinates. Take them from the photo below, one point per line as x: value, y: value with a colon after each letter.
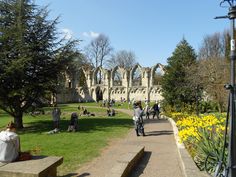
x: 146, y: 111
x: 138, y: 118
x: 161, y: 157
x: 156, y: 110
x: 56, y: 113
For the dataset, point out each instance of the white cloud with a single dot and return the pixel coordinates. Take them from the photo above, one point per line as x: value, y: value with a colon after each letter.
x: 91, y: 34
x: 67, y: 33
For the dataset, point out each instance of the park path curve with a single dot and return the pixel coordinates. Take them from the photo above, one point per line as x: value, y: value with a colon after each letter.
x: 161, y: 157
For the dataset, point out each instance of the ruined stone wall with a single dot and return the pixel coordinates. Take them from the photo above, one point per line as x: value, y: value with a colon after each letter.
x: 137, y: 83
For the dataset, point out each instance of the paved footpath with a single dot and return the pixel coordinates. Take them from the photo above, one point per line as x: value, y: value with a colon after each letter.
x: 161, y: 158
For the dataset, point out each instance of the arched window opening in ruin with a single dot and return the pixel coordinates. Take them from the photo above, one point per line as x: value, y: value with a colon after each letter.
x: 157, y: 76
x: 99, y: 94
x: 117, y: 79
x: 99, y: 77
x: 137, y: 77
x: 69, y: 84
x: 95, y: 84
x: 82, y: 79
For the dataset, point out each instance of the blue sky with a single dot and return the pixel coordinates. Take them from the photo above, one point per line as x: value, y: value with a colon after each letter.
x: 149, y: 28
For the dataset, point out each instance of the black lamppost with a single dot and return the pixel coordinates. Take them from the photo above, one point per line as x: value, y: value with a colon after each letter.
x: 231, y: 162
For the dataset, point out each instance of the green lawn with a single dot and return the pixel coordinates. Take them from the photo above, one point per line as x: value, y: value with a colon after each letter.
x: 76, y: 148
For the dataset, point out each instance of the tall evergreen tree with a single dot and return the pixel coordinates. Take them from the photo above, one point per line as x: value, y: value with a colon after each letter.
x: 175, y: 86
x: 31, y: 56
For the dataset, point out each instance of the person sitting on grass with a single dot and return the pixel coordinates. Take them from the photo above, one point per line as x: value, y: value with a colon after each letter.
x: 111, y: 112
x: 9, y: 144
x: 73, y: 126
x: 84, y: 112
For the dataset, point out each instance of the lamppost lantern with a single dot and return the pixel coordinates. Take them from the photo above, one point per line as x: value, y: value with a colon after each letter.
x: 232, y: 12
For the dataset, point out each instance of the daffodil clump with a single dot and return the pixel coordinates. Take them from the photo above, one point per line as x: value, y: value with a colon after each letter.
x: 178, y: 115
x: 202, y: 136
x: 190, y: 126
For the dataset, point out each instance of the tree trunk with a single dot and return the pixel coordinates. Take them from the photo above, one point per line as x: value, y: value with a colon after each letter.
x: 18, y: 120
x: 220, y: 107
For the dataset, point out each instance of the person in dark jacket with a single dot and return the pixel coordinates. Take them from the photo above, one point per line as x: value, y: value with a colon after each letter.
x: 73, y: 126
x: 156, y: 110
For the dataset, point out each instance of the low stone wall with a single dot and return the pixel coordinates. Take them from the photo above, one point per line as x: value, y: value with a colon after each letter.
x: 126, y: 162
x: 39, y: 166
x: 189, y: 167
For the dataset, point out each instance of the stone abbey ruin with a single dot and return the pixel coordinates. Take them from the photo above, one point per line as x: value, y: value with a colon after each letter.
x: 95, y: 84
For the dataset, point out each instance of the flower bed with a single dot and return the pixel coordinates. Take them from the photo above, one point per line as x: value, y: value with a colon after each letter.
x: 203, y: 137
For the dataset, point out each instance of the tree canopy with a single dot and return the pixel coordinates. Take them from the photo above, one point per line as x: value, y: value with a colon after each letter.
x: 175, y: 86
x: 31, y: 55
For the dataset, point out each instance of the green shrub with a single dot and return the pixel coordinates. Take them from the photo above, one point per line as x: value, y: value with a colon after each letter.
x: 209, y: 149
x: 208, y: 106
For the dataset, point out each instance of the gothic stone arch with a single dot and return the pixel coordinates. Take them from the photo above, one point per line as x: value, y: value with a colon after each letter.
x: 103, y: 84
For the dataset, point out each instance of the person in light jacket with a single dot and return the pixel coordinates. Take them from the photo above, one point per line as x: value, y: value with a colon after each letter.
x: 56, y: 113
x: 138, y: 117
x: 9, y: 144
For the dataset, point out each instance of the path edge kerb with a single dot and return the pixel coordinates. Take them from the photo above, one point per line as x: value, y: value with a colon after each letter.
x: 188, y: 165
x: 125, y: 164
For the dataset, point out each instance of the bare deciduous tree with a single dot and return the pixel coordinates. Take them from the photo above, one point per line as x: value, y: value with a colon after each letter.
x: 122, y: 58
x: 212, y: 46
x: 213, y: 67
x: 214, y: 73
x: 99, y: 50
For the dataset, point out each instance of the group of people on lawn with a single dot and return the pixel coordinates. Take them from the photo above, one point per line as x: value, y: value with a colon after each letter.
x: 10, y: 141
x: 74, y: 119
x: 73, y: 124
x: 138, y: 112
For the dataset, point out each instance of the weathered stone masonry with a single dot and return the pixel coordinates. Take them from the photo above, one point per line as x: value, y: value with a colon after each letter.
x: 94, y: 84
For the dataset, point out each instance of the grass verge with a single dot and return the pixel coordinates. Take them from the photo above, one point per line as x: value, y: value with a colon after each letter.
x: 76, y: 148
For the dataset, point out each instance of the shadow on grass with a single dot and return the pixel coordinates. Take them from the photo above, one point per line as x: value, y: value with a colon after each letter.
x: 85, y: 125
